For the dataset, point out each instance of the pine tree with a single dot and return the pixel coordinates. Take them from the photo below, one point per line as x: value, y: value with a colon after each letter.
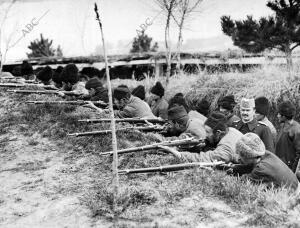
x: 142, y: 43
x: 281, y: 31
x: 43, y: 48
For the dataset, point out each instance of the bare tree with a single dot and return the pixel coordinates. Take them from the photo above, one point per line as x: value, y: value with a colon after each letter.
x: 167, y: 6
x: 183, y: 11
x: 7, y: 42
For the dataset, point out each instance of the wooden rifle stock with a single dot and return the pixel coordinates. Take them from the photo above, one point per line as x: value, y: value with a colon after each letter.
x: 34, y: 91
x: 150, y: 128
x: 19, y: 85
x: 16, y: 80
x: 66, y: 102
x: 171, y: 168
x: 189, y: 141
x: 44, y: 92
x: 129, y: 120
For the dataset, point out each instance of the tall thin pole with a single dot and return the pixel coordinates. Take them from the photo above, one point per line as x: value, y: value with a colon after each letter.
x: 112, y: 125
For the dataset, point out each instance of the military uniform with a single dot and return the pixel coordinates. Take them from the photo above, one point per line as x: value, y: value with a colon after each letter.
x: 258, y: 128
x: 225, y: 150
x: 271, y: 170
x: 288, y: 144
x: 160, y: 108
x: 101, y: 94
x: 135, y: 108
x: 195, y: 128
x: 268, y: 123
x: 197, y: 115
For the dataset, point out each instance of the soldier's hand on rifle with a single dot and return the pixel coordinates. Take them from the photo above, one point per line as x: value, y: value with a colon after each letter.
x: 90, y: 104
x: 150, y: 124
x: 166, y: 129
x: 61, y: 94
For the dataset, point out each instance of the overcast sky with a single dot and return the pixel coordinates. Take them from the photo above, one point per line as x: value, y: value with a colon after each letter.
x: 72, y: 24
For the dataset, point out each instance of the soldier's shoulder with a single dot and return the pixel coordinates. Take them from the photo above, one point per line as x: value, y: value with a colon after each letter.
x: 262, y: 126
x: 262, y: 123
x: 236, y: 121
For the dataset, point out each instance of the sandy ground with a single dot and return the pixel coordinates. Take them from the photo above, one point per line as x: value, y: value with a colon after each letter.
x: 30, y: 179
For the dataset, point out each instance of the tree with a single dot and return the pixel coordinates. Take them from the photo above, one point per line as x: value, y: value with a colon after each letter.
x: 142, y: 43
x: 168, y: 7
x: 43, y: 48
x: 183, y: 10
x: 6, y: 48
x: 281, y: 31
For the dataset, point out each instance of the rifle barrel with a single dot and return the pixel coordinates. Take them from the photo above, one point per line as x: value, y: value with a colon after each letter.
x: 11, y: 85
x: 130, y: 120
x: 45, y: 91
x: 120, y: 129
x: 34, y: 91
x: 189, y: 141
x: 16, y: 80
x: 64, y: 102
x: 170, y: 168
x: 27, y: 85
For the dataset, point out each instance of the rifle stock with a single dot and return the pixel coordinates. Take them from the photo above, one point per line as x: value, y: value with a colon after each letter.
x: 129, y: 120
x: 189, y: 141
x: 11, y: 85
x: 171, y: 168
x: 150, y: 128
x: 71, y: 93
x: 34, y: 91
x: 66, y: 102
x: 26, y: 85
x: 18, y: 81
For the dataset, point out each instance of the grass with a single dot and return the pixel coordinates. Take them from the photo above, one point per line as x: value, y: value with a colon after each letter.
x: 145, y: 198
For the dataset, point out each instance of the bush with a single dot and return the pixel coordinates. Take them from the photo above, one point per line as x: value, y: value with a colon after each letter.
x: 100, y: 199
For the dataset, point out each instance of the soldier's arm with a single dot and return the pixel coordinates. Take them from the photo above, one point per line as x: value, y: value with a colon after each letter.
x: 221, y: 153
x: 127, y: 112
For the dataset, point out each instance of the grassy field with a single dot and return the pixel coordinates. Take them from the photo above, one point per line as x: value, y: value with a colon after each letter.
x: 191, y: 198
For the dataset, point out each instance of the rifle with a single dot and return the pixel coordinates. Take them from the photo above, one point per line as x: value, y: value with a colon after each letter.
x: 129, y: 120
x: 17, y: 80
x: 34, y: 91
x: 44, y: 92
x: 188, y: 141
x: 171, y: 168
x: 150, y: 128
x: 26, y: 85
x: 235, y: 169
x: 11, y: 85
x: 78, y: 102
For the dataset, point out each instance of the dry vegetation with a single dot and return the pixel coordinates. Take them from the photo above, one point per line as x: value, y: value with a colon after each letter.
x: 185, y: 199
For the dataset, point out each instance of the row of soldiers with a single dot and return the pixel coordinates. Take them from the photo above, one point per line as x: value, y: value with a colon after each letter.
x: 251, y: 139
